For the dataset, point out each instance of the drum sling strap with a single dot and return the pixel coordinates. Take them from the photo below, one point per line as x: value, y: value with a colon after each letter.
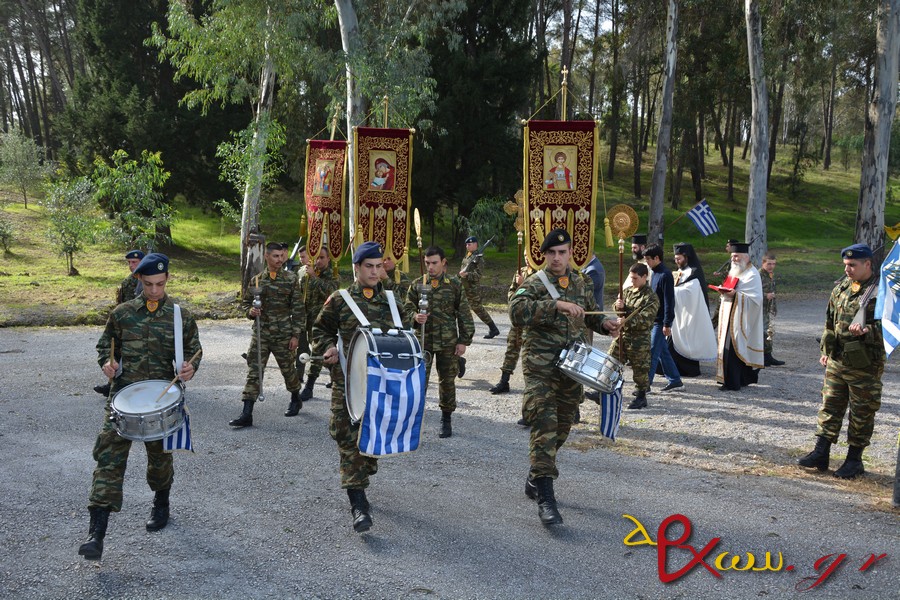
x: 180, y: 439
x: 551, y: 289
x: 363, y: 321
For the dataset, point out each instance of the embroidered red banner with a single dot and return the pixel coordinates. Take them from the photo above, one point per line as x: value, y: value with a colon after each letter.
x: 326, y: 170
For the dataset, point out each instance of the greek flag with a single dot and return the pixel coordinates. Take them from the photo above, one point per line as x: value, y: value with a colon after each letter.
x: 181, y: 438
x: 703, y: 218
x: 611, y: 412
x: 392, y: 423
x: 887, y: 307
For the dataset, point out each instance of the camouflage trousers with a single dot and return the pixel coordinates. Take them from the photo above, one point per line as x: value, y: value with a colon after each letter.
x: 513, y: 348
x: 768, y: 330
x: 858, y: 389
x: 277, y: 345
x: 111, y: 453
x: 355, y: 468
x: 635, y: 351
x: 473, y: 295
x: 549, y: 405
x: 447, y: 367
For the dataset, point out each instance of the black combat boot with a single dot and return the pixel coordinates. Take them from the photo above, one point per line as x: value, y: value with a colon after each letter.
x: 461, y: 361
x: 853, y: 465
x: 295, y: 405
x: 446, y: 429
x: 530, y: 489
x: 359, y: 508
x: 93, y: 548
x: 307, y: 392
x: 246, y: 418
x: 771, y: 361
x: 577, y: 418
x: 547, y: 511
x: 640, y: 401
x: 818, y: 458
x: 593, y: 396
x: 503, y: 385
x: 103, y: 390
x: 159, y: 514
x: 492, y: 331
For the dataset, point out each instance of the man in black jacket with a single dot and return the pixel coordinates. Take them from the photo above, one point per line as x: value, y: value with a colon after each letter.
x: 664, y: 286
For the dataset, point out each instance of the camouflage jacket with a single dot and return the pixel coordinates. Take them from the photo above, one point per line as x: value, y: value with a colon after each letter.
x: 473, y: 264
x: 283, y: 309
x: 547, y: 331
x: 514, y: 285
x: 127, y: 290
x: 399, y: 282
x: 337, y: 317
x: 319, y: 287
x: 449, y: 317
x: 768, y: 287
x: 842, y: 307
x: 145, y: 341
x: 645, y: 303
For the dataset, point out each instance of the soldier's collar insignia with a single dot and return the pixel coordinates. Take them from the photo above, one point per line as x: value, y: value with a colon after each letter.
x: 435, y: 283
x: 152, y: 305
x: 564, y: 282
x: 855, y: 286
x: 368, y: 293
x: 468, y: 254
x: 273, y: 275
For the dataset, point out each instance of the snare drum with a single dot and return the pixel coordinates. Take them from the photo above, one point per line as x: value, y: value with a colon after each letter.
x: 138, y: 415
x: 591, y: 367
x: 395, y: 349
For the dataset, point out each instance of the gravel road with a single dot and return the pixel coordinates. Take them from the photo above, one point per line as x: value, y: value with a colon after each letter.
x: 259, y: 513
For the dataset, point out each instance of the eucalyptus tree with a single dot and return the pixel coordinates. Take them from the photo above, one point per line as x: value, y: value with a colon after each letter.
x: 664, y: 137
x: 755, y: 225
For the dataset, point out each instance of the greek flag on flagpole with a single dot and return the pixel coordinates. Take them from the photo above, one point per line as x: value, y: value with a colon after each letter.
x: 611, y: 412
x: 392, y: 423
x: 887, y: 307
x: 703, y: 217
x: 181, y: 438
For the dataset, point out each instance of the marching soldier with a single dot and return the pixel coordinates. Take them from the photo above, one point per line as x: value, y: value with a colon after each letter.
x: 513, y: 340
x: 770, y: 308
x: 853, y: 356
x: 337, y: 318
x: 143, y: 330
x: 470, y: 272
x: 394, y: 279
x: 449, y: 328
x: 641, y: 301
x: 551, y: 307
x: 321, y: 283
x: 282, y: 323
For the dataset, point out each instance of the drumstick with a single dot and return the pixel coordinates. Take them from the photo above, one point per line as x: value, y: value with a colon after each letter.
x: 600, y: 312
x: 171, y: 383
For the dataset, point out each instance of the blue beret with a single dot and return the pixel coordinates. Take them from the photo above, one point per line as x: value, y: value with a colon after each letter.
x: 153, y: 264
x: 134, y: 254
x: 857, y: 251
x: 471, y: 240
x: 367, y: 250
x: 556, y: 237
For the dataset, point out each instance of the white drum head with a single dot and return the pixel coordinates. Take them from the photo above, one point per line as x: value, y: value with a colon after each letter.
x: 357, y: 374
x: 140, y: 397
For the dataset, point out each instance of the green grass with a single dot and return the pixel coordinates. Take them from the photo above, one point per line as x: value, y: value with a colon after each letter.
x: 805, y: 231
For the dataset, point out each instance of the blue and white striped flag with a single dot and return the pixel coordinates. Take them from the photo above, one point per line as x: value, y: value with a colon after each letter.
x: 392, y: 423
x: 703, y: 217
x: 181, y: 438
x: 611, y: 412
x: 887, y: 307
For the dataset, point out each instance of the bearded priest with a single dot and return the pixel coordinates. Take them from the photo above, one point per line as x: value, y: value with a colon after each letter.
x: 740, y: 336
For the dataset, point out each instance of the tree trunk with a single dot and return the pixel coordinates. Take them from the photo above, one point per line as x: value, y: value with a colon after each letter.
x: 592, y: 81
x: 252, y: 243
x: 615, y: 96
x: 720, y: 139
x: 732, y: 126
x: 664, y: 138
x: 776, y: 120
x: 635, y: 136
x: 829, y: 122
x: 880, y: 115
x: 755, y: 226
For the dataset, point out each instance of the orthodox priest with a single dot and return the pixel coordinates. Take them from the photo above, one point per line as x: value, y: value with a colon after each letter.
x: 693, y: 336
x: 740, y: 339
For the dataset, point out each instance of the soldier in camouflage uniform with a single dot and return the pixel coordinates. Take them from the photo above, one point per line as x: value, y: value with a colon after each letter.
x: 143, y: 330
x: 550, y: 325
x: 642, y: 302
x: 320, y: 284
x: 513, y: 340
x: 853, y: 356
x: 470, y: 273
x: 127, y: 290
x: 282, y: 324
x: 337, y: 318
x: 394, y: 279
x: 770, y: 308
x: 448, y: 328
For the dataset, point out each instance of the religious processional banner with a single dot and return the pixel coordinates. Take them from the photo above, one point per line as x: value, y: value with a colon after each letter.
x: 560, y: 187
x: 326, y: 170
x: 383, y: 169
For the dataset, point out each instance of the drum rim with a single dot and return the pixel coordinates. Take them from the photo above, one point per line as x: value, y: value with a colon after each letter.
x: 177, y: 386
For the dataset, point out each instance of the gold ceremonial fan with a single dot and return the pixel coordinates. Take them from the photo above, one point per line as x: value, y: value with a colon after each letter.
x: 623, y: 221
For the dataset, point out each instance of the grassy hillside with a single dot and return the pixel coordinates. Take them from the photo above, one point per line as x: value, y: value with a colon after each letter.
x: 806, y: 231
